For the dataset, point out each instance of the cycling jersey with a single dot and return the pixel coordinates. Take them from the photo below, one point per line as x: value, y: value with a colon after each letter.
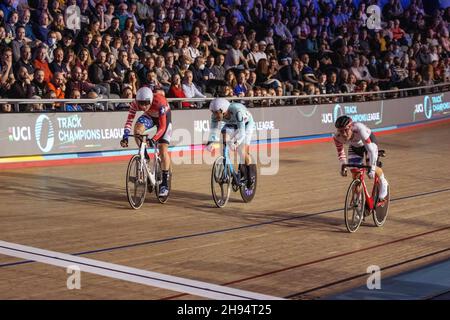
x: 159, y: 113
x: 362, y: 137
x: 240, y: 121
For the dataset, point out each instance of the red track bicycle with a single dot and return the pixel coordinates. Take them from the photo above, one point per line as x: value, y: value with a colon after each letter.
x: 359, y: 203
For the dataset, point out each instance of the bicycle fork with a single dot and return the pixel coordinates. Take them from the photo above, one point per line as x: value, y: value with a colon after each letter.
x: 144, y: 165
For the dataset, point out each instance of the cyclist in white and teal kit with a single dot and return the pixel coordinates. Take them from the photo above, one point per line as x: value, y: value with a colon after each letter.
x: 235, y: 123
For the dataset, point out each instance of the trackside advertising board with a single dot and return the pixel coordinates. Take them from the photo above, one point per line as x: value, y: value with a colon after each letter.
x: 56, y: 133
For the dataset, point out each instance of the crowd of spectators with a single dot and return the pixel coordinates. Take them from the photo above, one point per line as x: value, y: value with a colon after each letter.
x: 203, y: 48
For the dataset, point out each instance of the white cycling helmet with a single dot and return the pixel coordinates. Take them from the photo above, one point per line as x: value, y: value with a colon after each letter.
x: 144, y: 95
x: 221, y: 104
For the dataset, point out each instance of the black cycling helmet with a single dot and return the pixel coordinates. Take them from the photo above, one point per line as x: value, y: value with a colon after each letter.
x: 342, y: 121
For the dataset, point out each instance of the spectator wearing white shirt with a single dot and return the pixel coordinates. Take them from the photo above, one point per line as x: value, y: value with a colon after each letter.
x: 235, y: 58
x: 193, y: 50
x: 189, y: 88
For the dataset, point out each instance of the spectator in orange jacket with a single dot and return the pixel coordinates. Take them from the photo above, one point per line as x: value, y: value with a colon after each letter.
x: 41, y: 63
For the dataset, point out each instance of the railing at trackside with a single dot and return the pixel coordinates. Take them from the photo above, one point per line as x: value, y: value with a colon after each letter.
x: 105, y: 104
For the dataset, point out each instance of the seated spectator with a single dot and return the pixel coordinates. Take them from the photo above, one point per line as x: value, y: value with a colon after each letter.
x: 241, y: 88
x: 36, y: 107
x: 360, y: 71
x: 332, y: 87
x: 40, y: 86
x: 74, y: 107
x: 122, y: 64
x: 169, y: 62
x: 21, y: 88
x: 41, y: 62
x: 264, y: 77
x: 58, y: 85
x: 190, y: 89
x: 25, y: 60
x: 6, y: 108
x: 42, y: 28
x: 18, y: 43
x: 200, y: 75
x: 84, y: 59
x: 127, y: 93
x: 77, y: 83
x: 58, y: 64
x: 100, y: 74
x: 162, y: 73
x: 132, y: 81
x: 235, y: 57
x: 176, y: 91
x: 6, y: 68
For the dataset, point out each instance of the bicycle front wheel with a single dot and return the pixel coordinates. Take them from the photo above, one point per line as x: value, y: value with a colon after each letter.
x: 136, y: 182
x: 354, y: 206
x: 220, y: 182
x: 381, y: 208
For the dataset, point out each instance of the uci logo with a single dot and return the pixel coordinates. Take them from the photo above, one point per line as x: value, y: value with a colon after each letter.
x: 331, y: 117
x: 44, y: 125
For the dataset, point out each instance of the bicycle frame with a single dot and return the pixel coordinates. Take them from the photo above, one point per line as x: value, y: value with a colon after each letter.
x: 361, y: 169
x: 229, y: 164
x: 142, y: 151
x: 370, y: 199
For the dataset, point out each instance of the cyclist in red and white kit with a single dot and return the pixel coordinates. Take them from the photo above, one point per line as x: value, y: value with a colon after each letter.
x: 361, y: 141
x: 156, y: 112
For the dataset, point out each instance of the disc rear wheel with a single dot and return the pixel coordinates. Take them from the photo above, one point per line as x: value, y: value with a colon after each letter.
x: 381, y: 210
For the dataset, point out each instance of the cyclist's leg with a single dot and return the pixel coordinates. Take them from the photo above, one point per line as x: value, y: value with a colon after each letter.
x: 356, y: 156
x: 228, y: 132
x: 379, y: 172
x: 250, y: 167
x: 163, y: 146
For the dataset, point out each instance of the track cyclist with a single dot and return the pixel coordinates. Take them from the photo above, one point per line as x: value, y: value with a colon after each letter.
x: 156, y: 112
x: 237, y: 127
x: 362, y: 141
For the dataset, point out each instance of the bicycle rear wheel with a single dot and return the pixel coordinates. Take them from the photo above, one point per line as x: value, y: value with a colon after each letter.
x: 248, y: 194
x: 381, y: 208
x: 354, y: 206
x: 136, y: 182
x: 158, y: 177
x: 220, y: 186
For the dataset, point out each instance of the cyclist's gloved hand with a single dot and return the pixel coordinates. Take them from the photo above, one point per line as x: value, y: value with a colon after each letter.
x: 372, y: 172
x: 343, y: 170
x: 210, y: 146
x: 124, y: 141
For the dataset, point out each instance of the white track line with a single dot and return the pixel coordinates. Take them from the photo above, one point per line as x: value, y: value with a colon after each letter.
x: 198, y: 288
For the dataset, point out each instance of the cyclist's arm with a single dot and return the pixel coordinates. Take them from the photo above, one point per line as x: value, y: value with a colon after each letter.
x: 214, y: 132
x: 240, y: 127
x: 130, y: 118
x: 372, y: 148
x: 340, y: 150
x: 162, y: 124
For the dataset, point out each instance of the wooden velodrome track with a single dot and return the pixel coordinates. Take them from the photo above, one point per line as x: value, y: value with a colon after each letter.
x: 289, y: 242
